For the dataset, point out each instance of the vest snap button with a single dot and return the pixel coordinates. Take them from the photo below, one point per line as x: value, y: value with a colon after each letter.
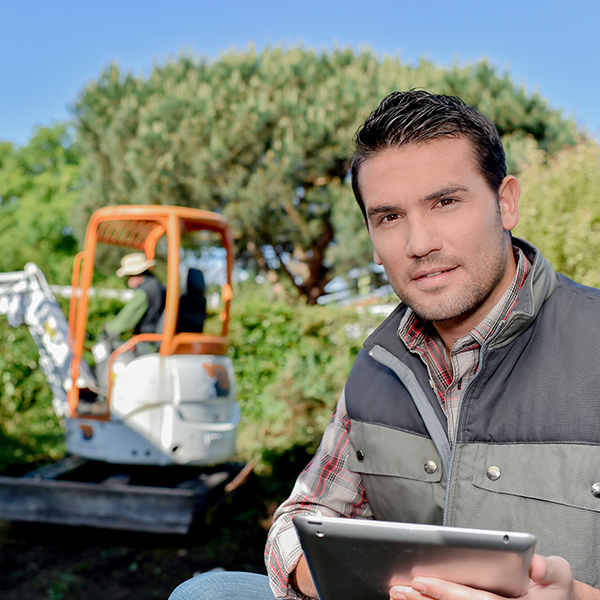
x: 596, y: 490
x: 430, y: 467
x: 493, y: 473
x: 360, y: 455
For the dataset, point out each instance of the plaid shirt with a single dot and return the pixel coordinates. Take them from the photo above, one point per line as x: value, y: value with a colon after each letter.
x: 327, y: 486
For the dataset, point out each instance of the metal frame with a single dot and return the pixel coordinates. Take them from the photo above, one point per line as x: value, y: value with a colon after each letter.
x: 139, y: 227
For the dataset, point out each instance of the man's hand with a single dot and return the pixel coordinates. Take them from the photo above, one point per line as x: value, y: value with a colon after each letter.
x: 301, y: 579
x: 550, y: 579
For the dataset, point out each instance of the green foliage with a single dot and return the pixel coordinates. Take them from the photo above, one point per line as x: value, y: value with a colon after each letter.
x: 291, y: 362
x: 60, y: 586
x: 39, y: 184
x: 560, y: 209
x: 265, y: 137
x: 512, y: 110
x: 29, y: 429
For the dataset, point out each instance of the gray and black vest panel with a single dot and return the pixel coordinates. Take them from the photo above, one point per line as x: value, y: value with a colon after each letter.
x: 526, y: 453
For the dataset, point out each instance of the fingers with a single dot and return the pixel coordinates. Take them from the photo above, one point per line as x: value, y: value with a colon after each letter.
x: 400, y: 592
x: 551, y: 579
x: 422, y: 588
x: 550, y: 570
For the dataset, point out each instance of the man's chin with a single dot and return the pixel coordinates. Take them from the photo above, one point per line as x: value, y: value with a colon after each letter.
x: 439, y: 317
x: 438, y: 311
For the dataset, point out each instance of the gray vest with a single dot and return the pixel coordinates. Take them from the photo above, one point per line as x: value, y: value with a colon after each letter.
x: 526, y: 453
x: 156, y: 293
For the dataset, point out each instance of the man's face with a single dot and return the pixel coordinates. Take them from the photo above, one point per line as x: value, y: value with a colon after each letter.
x: 133, y: 281
x: 438, y: 229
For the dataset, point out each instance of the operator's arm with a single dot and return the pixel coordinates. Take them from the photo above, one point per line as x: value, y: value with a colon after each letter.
x: 327, y: 488
x: 130, y: 315
x: 550, y: 579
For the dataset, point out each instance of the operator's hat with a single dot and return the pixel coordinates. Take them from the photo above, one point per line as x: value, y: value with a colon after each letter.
x: 134, y: 264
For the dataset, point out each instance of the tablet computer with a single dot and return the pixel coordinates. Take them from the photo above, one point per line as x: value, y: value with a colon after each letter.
x: 358, y: 559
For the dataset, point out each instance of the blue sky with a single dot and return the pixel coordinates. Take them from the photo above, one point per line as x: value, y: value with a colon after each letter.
x: 50, y: 49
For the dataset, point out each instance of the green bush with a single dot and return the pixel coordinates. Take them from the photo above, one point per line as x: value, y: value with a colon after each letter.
x: 560, y: 209
x: 29, y: 429
x: 291, y: 361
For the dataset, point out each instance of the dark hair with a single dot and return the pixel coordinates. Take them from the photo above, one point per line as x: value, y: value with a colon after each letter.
x: 418, y: 116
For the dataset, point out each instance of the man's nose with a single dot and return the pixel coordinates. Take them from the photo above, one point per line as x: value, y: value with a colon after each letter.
x: 423, y: 238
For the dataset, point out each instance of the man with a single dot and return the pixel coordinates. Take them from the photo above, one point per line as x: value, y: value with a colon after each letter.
x: 142, y: 313
x: 475, y: 403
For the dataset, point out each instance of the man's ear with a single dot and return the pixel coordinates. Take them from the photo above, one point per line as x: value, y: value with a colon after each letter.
x: 509, y: 194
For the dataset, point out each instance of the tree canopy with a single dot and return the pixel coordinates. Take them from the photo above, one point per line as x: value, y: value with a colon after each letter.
x: 560, y: 209
x: 39, y: 184
x: 264, y: 138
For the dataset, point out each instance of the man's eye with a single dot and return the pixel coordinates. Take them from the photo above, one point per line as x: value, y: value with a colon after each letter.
x: 446, y: 201
x: 391, y: 217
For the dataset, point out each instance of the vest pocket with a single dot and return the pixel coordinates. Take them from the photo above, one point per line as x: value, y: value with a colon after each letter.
x: 379, y: 450
x: 545, y: 489
x: 565, y: 474
x: 402, y: 473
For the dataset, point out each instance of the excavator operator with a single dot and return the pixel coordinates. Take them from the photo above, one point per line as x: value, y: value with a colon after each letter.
x: 142, y: 313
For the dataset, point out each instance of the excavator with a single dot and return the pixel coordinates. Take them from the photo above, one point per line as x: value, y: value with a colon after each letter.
x: 150, y: 437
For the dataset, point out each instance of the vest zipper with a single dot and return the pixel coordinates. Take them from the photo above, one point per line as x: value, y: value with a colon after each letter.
x: 482, y: 357
x: 433, y: 425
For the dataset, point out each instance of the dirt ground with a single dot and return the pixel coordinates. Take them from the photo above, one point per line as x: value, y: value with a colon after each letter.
x: 44, y: 562
x: 51, y: 562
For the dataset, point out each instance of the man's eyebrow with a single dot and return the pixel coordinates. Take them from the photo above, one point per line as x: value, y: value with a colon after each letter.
x: 447, y: 191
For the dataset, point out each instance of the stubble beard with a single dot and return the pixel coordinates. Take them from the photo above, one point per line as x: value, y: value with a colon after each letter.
x: 486, y: 274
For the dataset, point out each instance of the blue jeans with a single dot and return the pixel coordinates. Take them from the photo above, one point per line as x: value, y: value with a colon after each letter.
x: 227, y: 585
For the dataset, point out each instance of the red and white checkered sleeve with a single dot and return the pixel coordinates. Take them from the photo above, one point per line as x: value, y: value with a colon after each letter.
x: 326, y: 487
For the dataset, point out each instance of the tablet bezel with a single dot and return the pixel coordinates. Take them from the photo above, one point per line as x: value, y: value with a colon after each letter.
x: 356, y: 559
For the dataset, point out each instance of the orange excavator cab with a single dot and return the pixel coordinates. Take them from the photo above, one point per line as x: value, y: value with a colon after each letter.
x: 174, y: 406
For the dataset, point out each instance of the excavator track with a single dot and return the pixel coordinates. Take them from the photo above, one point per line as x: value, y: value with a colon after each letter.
x: 80, y: 492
